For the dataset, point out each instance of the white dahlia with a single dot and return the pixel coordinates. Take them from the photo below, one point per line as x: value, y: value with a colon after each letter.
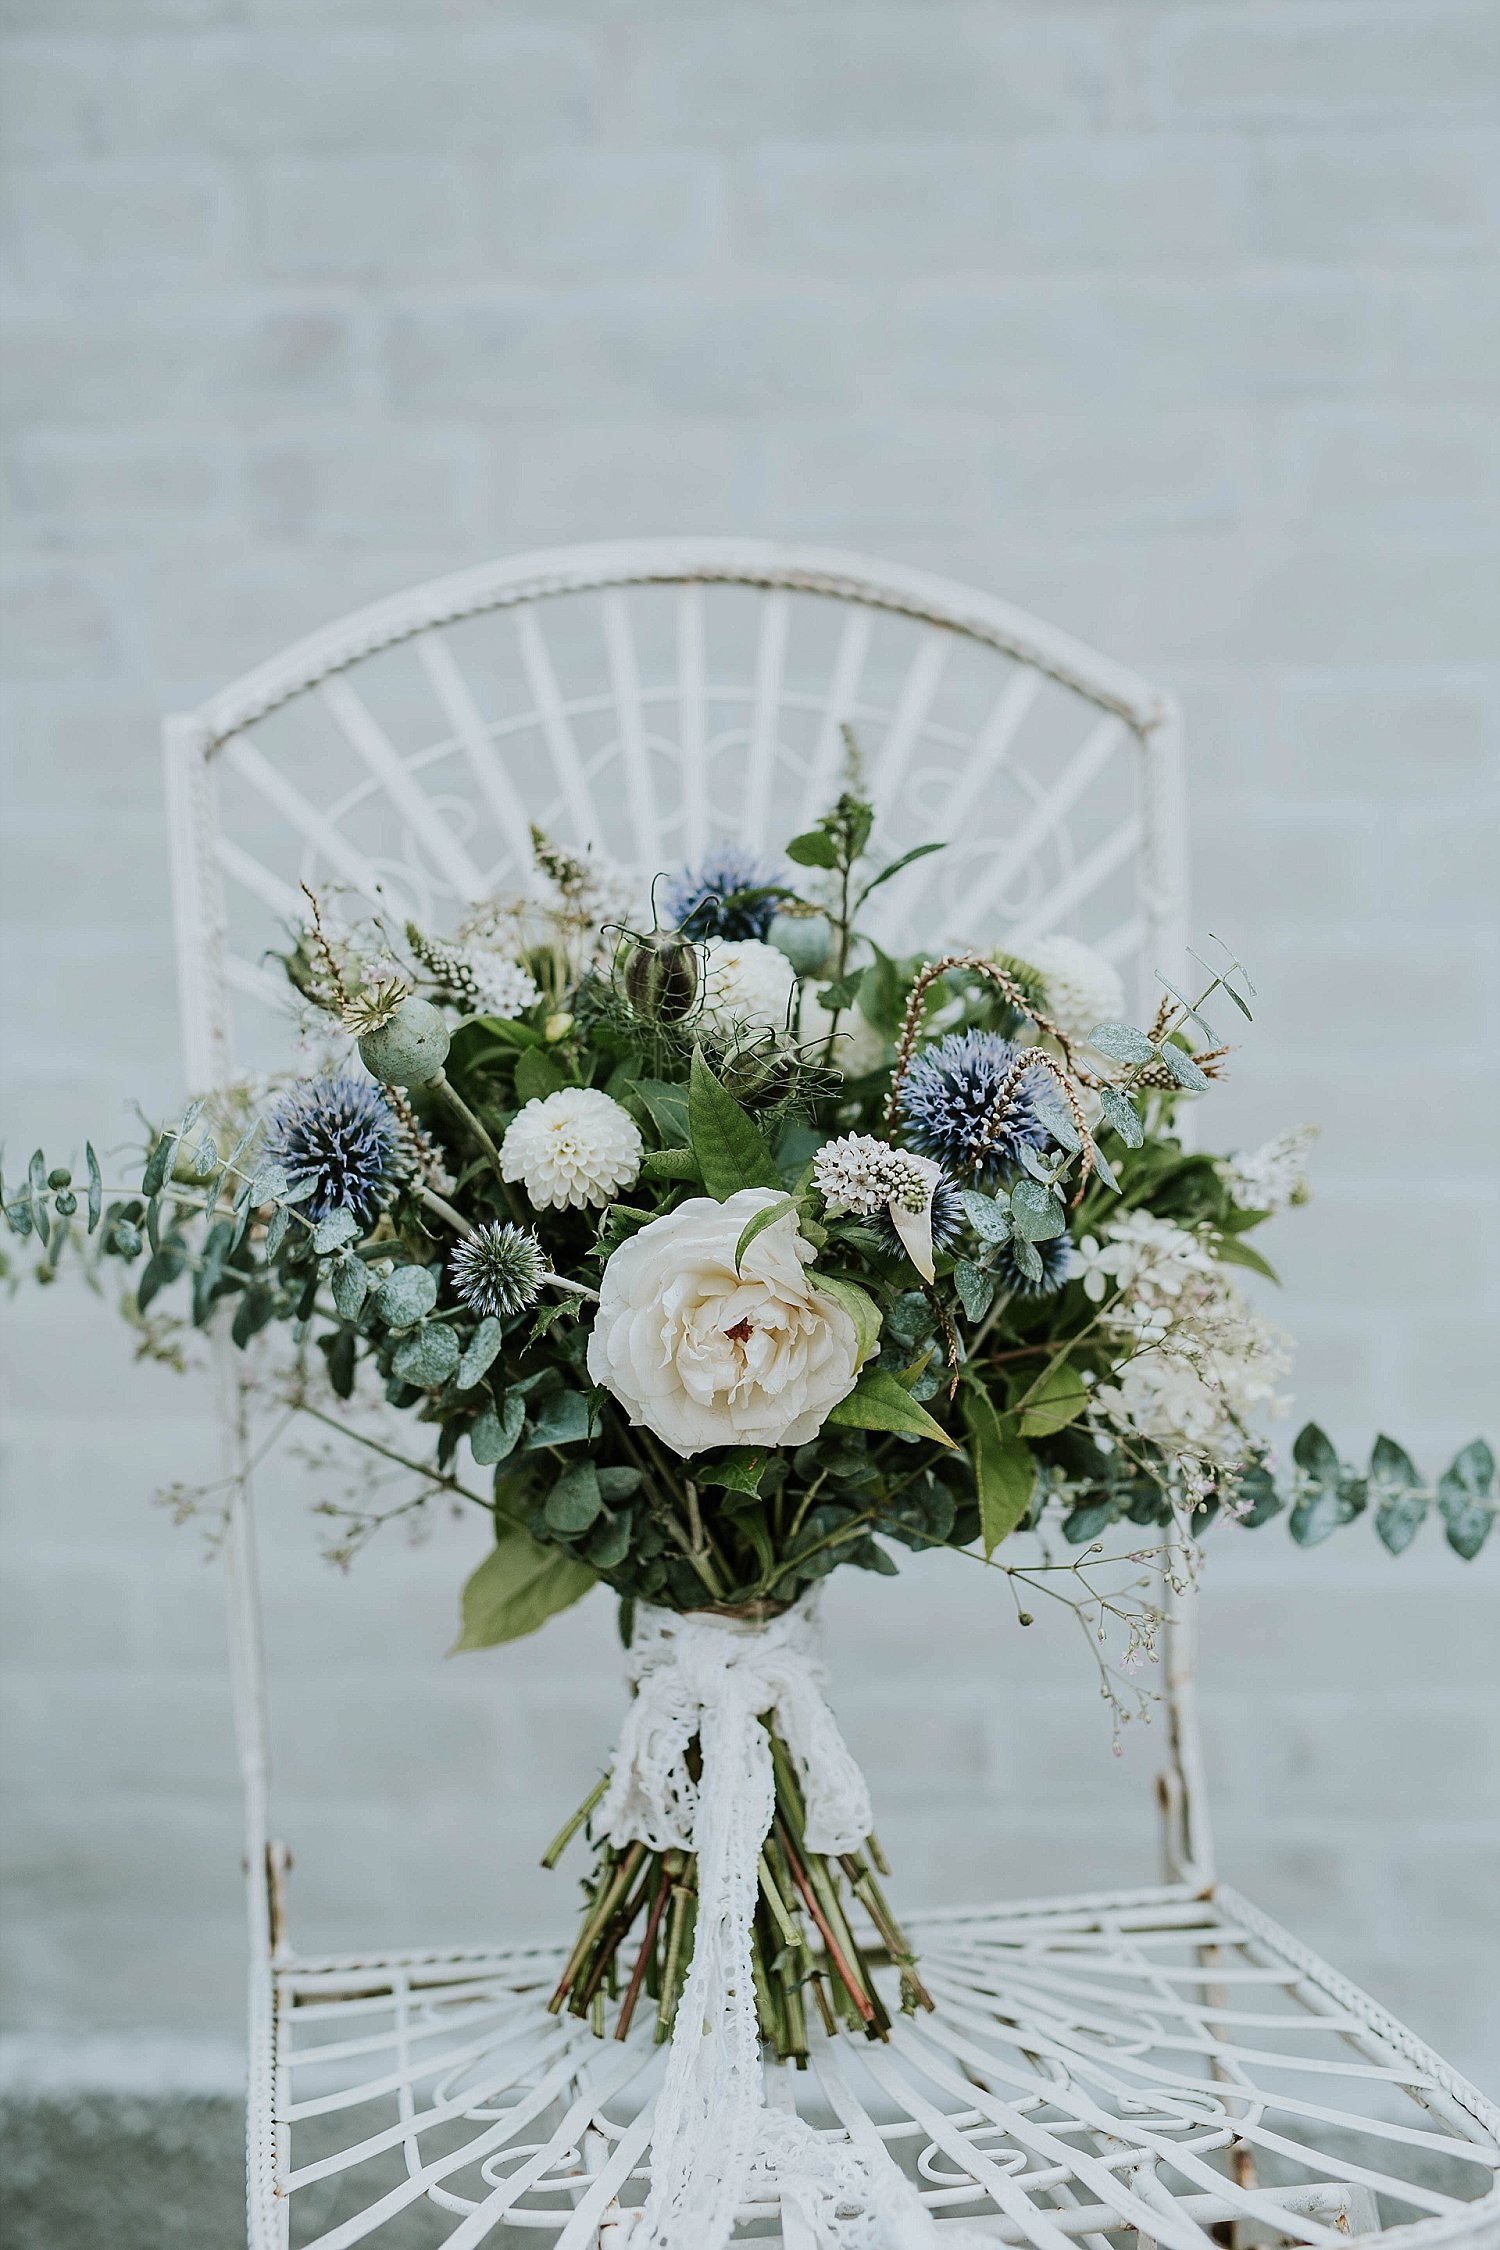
x: 577, y: 1147
x: 747, y: 986
x: 858, y: 1048
x: 1083, y: 989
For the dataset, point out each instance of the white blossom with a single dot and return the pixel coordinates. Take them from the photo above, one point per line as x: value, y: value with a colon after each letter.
x: 577, y: 1148
x: 706, y: 1353
x: 1083, y: 989
x: 503, y: 987
x: 857, y: 1047
x: 1272, y: 1177
x: 854, y: 1173
x: 747, y: 985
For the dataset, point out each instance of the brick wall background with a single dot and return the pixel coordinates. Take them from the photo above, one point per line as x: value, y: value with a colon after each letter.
x: 1171, y: 322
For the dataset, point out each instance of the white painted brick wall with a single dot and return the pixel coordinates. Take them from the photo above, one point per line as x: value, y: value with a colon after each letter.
x: 1174, y: 322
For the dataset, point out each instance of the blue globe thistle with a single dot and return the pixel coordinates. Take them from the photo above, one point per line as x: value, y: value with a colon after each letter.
x: 947, y: 1221
x: 498, y: 1269
x: 947, y: 1098
x: 704, y: 901
x: 343, y: 1136
x: 1058, y: 1264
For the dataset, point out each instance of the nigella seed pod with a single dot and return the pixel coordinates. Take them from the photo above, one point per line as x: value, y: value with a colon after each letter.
x: 661, y: 976
x: 760, y: 1074
x: 409, y: 1050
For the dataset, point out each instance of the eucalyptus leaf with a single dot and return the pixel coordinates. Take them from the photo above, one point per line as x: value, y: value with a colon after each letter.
x: 1183, y: 1068
x: 276, y: 1229
x: 334, y: 1230
x: 574, y: 1501
x: 1121, y: 1113
x: 976, y: 1288
x: 1121, y: 1042
x: 1466, y: 1501
x: 1028, y: 1258
x: 609, y: 1542
x: 96, y: 1185
x: 406, y: 1296
x: 1035, y: 1212
x: 269, y: 1185
x: 562, y: 1420
x: 427, y: 1355
x: 1105, y: 1170
x: 518, y: 1586
x: 351, y: 1285
x: 1058, y: 1119
x: 493, y: 1434
x: 989, y: 1218
x: 480, y: 1353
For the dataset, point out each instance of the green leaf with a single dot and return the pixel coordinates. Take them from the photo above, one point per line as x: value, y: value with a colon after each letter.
x: 1028, y: 1258
x: 36, y: 1188
x: 333, y: 1231
x: 667, y: 1106
x: 492, y: 1435
x: 918, y: 851
x: 1053, y: 1112
x: 518, y: 1586
x: 96, y: 1185
x: 276, y: 1229
x: 730, y: 1147
x: 1183, y: 1068
x: 574, y: 1501
x: 610, y: 1543
x: 338, y: 1351
x: 538, y: 1075
x: 1122, y: 1115
x: 1466, y: 1499
x: 841, y: 994
x: 878, y: 1402
x: 1035, y: 1212
x: 739, y: 1469
x: 154, y: 1176
x: 1004, y: 1470
x: 976, y: 1288
x: 881, y: 994
x: 1258, y: 1489
x: 813, y: 849
x: 563, y: 1420
x: 989, y: 1218
x: 858, y: 1304
x: 671, y: 1164
x: 1231, y: 1251
x: 351, y: 1283
x: 758, y: 1223
x: 406, y: 1296
x: 1058, y: 1399
x: 480, y: 1353
x: 426, y: 1355
x: 163, y: 1266
x: 269, y: 1185
x: 1327, y: 1495
x: 1121, y: 1042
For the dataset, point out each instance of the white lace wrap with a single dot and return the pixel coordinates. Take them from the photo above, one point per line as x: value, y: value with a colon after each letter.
x: 713, y: 2139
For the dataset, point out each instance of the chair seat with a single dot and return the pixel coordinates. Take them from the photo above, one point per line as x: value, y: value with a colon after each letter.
x: 1128, y: 2067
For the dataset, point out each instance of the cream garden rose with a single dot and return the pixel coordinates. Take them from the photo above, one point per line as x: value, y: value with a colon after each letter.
x: 705, y: 1356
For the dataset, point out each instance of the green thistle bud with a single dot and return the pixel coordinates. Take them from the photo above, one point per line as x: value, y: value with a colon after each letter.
x: 661, y: 976
x: 409, y: 1050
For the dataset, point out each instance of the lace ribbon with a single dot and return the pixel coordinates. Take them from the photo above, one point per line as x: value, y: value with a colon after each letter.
x: 713, y: 2140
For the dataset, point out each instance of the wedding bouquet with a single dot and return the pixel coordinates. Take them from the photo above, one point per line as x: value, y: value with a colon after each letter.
x: 706, y: 1248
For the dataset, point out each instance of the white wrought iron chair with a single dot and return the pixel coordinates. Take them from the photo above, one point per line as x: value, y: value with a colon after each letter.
x: 1149, y: 2065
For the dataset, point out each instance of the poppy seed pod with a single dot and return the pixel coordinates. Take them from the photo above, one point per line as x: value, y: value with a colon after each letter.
x: 661, y: 976
x: 409, y: 1050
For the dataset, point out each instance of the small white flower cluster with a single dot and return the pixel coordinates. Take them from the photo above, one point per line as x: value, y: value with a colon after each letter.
x: 574, y: 1148
x: 862, y: 1174
x: 1199, y: 1369
x: 747, y: 985
x: 1083, y: 989
x: 1274, y: 1176
x: 503, y: 987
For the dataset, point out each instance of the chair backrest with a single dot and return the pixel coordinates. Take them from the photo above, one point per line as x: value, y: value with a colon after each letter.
x: 650, y: 699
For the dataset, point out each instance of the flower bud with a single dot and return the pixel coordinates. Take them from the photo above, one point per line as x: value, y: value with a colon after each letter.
x: 805, y: 939
x: 661, y: 976
x: 760, y: 1074
x: 409, y: 1050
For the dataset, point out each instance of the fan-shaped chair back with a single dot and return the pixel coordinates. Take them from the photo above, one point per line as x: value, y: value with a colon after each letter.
x: 651, y: 700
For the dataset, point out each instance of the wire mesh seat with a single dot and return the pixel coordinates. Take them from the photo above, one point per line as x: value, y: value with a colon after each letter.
x: 1145, y: 2066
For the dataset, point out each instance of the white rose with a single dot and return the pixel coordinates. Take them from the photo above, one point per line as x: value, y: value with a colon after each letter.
x: 706, y: 1356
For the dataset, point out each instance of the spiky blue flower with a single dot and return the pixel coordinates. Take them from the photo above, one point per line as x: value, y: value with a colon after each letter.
x: 498, y: 1269
x: 1058, y: 1264
x: 709, y: 900
x: 343, y: 1136
x: 947, y: 1221
x: 948, y: 1098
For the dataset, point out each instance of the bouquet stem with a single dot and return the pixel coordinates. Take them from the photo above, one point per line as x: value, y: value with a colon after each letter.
x: 803, y: 1937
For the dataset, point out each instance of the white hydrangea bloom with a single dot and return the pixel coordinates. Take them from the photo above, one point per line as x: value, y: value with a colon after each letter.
x: 1274, y: 1176
x: 504, y: 987
x: 747, y: 985
x: 858, y: 1048
x: 1083, y: 989
x: 1198, y: 1370
x: 577, y: 1148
